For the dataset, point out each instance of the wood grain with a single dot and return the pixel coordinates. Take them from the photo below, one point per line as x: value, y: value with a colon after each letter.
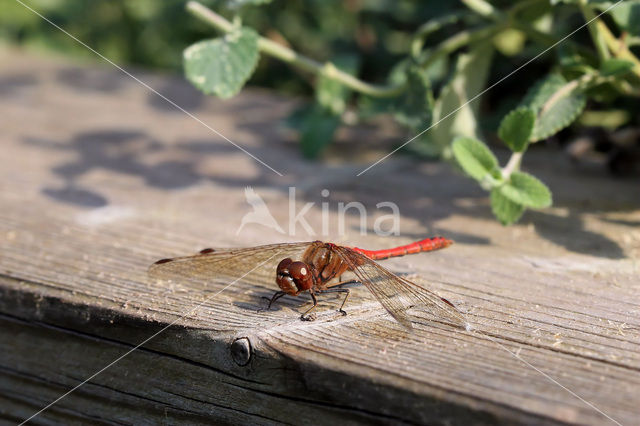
x: 98, y: 179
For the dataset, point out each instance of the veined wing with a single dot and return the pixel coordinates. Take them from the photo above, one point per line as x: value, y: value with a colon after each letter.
x: 398, y: 294
x: 254, y: 265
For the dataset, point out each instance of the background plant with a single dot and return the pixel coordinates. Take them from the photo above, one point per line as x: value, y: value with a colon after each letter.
x: 427, y: 60
x: 438, y: 80
x: 152, y: 33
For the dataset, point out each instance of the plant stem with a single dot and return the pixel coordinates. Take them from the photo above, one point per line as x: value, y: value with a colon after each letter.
x: 289, y: 56
x: 513, y: 165
x: 209, y: 16
x: 429, y: 27
x: 596, y: 36
x: 618, y: 47
x: 459, y: 40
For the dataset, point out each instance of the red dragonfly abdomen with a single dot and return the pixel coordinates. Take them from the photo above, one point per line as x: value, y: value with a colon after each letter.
x: 428, y: 244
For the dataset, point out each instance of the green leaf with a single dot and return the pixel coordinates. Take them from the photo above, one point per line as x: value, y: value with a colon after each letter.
x: 522, y: 188
x: 542, y: 90
x: 573, y: 62
x: 316, y: 126
x: 370, y: 106
x: 505, y: 210
x: 222, y: 66
x: 557, y: 104
x: 615, y: 66
x: 298, y: 116
x: 627, y: 16
x: 414, y: 108
x: 454, y: 114
x: 398, y: 73
x: 330, y: 93
x: 558, y: 115
x: 475, y: 158
x: 517, y: 127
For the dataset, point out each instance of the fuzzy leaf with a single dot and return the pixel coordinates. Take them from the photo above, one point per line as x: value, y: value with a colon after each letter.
x: 505, y: 210
x: 558, y: 116
x: 475, y: 158
x: 517, y: 127
x: 542, y: 90
x: 555, y: 109
x: 223, y: 65
x: 527, y: 190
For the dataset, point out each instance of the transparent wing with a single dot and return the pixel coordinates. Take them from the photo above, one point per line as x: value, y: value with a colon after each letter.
x: 254, y: 265
x: 398, y: 294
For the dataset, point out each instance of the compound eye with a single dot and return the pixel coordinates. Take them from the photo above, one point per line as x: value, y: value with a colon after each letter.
x: 298, y: 270
x: 301, y: 274
x: 284, y: 263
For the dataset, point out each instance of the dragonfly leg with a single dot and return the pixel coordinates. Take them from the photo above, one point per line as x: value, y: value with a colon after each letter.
x: 341, y: 283
x: 447, y: 302
x: 306, y: 316
x: 339, y: 290
x: 277, y: 295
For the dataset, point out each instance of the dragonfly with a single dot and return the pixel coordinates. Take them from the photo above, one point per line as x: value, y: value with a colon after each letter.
x: 316, y: 267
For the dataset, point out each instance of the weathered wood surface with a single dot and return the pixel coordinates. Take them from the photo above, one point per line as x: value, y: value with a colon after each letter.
x: 99, y: 178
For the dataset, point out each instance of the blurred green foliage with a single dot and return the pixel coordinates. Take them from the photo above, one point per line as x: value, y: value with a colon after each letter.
x: 424, y: 63
x: 143, y: 32
x: 153, y: 33
x: 433, y: 90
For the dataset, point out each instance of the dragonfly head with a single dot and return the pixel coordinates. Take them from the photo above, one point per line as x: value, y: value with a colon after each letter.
x: 293, y: 277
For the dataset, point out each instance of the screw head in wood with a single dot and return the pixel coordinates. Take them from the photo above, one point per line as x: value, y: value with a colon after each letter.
x: 241, y: 351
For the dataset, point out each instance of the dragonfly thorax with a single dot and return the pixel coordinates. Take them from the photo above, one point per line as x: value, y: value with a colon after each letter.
x: 325, y: 262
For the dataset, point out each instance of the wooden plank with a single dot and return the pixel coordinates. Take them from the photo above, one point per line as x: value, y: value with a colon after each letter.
x: 98, y: 180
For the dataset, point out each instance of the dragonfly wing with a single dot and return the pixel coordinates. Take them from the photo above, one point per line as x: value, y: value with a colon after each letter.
x: 254, y: 265
x: 396, y: 294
